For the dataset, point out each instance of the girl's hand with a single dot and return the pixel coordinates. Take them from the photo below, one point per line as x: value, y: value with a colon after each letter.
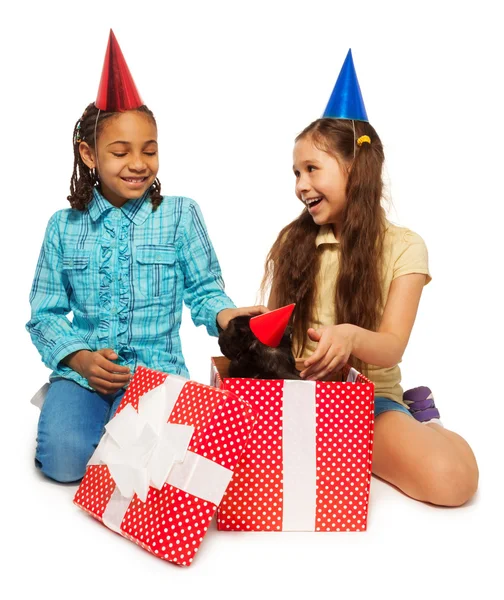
x: 102, y: 374
x: 227, y: 314
x: 335, y: 344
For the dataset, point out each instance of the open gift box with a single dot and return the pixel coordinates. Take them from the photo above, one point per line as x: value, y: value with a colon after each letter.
x: 307, y: 463
x: 164, y: 463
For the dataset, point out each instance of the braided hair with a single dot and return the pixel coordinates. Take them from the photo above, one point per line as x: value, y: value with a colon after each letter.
x: 84, y: 179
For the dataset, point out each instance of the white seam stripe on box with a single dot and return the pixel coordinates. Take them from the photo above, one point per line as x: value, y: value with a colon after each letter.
x: 299, y: 456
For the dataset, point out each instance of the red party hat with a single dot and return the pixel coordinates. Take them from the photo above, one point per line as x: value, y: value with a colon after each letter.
x: 270, y: 327
x: 117, y: 91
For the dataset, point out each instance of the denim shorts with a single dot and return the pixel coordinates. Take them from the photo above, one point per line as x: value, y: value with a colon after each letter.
x: 385, y: 404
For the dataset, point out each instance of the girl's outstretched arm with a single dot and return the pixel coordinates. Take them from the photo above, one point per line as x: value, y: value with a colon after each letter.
x: 203, y: 284
x: 383, y: 348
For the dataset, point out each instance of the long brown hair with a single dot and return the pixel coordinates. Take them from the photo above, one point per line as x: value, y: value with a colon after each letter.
x: 293, y: 262
x: 84, y: 179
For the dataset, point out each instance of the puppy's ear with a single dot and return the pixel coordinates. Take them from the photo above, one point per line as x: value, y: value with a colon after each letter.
x: 233, y: 341
x: 241, y: 324
x: 286, y: 341
x: 227, y: 340
x: 224, y: 346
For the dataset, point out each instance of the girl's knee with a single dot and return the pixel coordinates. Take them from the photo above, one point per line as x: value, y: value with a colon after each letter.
x: 451, y: 481
x: 62, y: 471
x: 63, y: 457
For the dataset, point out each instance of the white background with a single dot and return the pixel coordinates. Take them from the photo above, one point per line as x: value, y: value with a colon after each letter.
x: 231, y: 84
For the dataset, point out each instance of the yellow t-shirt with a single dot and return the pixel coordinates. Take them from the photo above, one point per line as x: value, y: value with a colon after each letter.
x: 404, y: 252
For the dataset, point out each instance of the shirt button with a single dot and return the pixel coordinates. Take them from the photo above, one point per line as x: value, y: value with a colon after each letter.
x: 113, y: 310
x: 70, y: 263
x: 158, y: 257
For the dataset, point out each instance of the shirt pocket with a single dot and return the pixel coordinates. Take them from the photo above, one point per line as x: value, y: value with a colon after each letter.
x: 156, y: 269
x: 76, y: 266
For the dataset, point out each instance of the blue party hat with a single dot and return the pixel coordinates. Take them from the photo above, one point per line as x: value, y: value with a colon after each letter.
x: 346, y: 99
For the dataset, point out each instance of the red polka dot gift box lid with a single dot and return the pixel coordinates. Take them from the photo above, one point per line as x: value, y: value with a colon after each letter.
x: 162, y: 466
x: 307, y: 463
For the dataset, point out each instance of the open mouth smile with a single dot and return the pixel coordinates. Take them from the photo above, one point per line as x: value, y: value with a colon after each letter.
x: 312, y: 202
x: 134, y: 179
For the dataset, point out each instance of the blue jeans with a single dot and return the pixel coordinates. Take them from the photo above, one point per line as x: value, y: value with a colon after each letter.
x: 385, y: 404
x: 71, y: 423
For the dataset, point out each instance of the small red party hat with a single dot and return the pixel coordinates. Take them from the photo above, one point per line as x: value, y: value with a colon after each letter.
x: 270, y: 327
x: 117, y: 91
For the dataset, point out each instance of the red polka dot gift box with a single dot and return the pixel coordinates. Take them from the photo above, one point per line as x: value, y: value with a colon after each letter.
x: 164, y: 462
x: 307, y: 463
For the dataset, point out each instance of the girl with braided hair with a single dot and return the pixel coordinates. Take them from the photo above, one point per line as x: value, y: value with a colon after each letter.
x: 356, y: 280
x: 122, y: 259
x: 84, y: 177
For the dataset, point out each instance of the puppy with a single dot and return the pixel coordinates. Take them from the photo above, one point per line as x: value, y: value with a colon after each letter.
x: 251, y: 358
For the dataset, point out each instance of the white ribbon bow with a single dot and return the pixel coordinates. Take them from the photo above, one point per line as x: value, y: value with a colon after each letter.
x: 140, y: 448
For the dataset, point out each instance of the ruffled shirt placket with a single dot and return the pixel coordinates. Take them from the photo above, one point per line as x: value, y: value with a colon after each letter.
x: 114, y: 298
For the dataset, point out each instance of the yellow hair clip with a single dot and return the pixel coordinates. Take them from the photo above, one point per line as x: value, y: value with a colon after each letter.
x: 363, y: 139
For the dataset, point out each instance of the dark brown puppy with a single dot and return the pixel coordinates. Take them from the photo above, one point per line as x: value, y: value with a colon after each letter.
x: 251, y: 358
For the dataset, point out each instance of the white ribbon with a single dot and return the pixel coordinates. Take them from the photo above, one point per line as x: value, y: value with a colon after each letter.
x: 141, y: 448
x: 201, y: 477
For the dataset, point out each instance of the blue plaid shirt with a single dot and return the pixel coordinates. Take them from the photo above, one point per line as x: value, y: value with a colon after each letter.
x: 124, y: 273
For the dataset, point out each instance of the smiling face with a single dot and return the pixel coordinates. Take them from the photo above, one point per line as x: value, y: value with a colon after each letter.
x: 320, y: 182
x: 127, y: 161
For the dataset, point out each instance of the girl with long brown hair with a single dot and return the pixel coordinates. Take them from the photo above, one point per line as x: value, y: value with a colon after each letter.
x: 356, y: 280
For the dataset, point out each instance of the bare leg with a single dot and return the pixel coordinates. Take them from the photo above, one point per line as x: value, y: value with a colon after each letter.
x: 427, y: 462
